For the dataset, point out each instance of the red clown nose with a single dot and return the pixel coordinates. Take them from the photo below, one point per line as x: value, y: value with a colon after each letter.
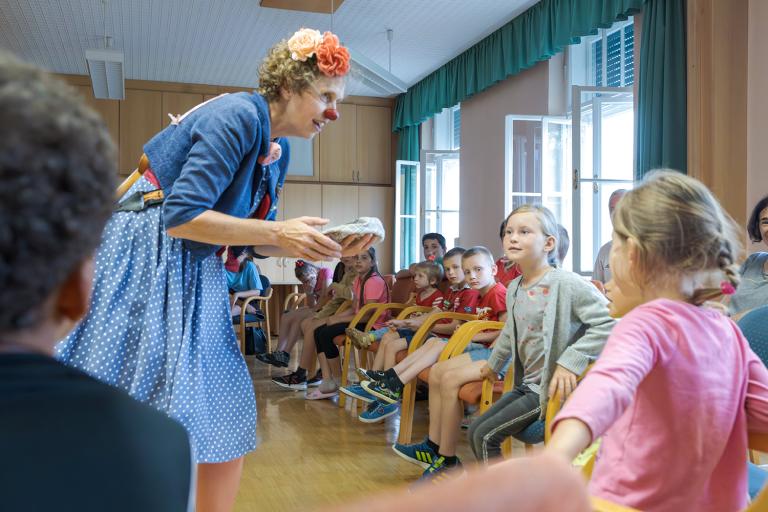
x: 331, y: 114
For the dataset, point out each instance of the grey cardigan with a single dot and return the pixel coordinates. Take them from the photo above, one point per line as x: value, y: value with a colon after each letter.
x: 576, y: 327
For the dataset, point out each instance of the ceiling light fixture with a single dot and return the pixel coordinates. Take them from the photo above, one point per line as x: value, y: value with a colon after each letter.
x: 105, y: 66
x: 372, y: 75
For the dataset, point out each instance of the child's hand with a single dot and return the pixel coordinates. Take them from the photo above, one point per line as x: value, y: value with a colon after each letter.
x: 562, y: 381
x: 486, y: 372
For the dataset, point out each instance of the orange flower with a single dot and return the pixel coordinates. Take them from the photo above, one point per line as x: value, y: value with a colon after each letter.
x: 332, y: 58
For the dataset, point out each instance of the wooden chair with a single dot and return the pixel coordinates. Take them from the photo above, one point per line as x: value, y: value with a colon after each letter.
x: 245, y: 320
x: 409, y: 392
x: 756, y: 442
x: 293, y: 301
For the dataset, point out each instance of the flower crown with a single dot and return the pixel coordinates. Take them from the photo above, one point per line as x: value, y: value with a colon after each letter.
x: 332, y: 58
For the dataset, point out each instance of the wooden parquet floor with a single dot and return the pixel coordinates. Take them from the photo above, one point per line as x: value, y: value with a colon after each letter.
x: 313, y: 454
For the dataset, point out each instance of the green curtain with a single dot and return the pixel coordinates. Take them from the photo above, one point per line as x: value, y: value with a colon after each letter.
x: 661, y: 114
x: 536, y: 35
x: 408, y: 148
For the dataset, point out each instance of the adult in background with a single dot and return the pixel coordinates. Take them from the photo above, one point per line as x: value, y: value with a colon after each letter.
x: 752, y: 291
x: 602, y: 272
x: 159, y: 324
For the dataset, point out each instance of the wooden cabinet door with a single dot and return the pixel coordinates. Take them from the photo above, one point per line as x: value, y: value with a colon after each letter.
x: 338, y: 141
x: 374, y: 145
x: 177, y: 103
x: 340, y: 203
x: 301, y: 200
x: 109, y: 110
x: 139, y: 122
x: 380, y: 202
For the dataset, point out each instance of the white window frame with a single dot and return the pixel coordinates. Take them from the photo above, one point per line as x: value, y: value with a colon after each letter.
x: 510, y: 194
x: 439, y: 182
x: 399, y: 216
x: 595, y: 181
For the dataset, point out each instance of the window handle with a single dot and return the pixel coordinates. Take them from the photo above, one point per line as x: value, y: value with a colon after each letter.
x: 575, y: 179
x: 595, y: 189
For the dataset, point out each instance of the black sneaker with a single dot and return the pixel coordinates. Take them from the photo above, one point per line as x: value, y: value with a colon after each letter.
x: 316, y: 380
x: 292, y: 381
x: 373, y: 375
x: 279, y: 358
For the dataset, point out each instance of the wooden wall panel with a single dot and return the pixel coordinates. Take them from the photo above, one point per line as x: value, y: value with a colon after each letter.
x: 109, y: 110
x: 177, y: 103
x: 717, y: 99
x: 139, y: 121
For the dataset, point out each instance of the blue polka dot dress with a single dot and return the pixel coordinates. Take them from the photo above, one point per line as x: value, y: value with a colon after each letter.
x: 159, y: 327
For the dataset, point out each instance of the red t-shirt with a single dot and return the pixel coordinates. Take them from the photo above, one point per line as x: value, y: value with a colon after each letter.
x: 506, y: 271
x: 432, y: 301
x: 493, y: 303
x: 463, y: 300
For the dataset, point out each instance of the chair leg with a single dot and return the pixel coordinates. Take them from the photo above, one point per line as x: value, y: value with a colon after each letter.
x: 345, y: 370
x: 506, y: 448
x: 406, y: 413
x: 269, y: 332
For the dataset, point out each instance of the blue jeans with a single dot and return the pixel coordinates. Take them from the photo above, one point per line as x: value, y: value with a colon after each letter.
x: 757, y: 478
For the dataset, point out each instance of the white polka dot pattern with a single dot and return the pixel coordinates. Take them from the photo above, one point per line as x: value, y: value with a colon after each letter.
x: 159, y: 328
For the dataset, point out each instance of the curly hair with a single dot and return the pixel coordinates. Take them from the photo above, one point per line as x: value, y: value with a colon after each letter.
x: 57, y: 171
x: 280, y: 71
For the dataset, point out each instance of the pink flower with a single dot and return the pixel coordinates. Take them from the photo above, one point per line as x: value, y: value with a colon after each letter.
x: 303, y: 44
x: 332, y: 58
x: 727, y: 288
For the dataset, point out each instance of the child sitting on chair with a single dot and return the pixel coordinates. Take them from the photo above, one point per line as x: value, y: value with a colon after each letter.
x: 677, y: 387
x: 506, y: 269
x: 315, y: 282
x: 542, y: 300
x: 339, y: 291
x: 426, y: 277
x: 557, y: 324
x: 479, y: 271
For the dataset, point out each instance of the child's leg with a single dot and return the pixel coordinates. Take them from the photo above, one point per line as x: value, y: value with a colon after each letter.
x: 331, y: 363
x: 308, y: 349
x: 451, y: 408
x: 510, y: 415
x: 436, y: 396
x: 378, y: 359
x: 425, y: 358
x: 391, y: 350
x: 290, y: 327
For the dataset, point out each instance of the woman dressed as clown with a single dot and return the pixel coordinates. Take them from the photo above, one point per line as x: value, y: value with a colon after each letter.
x: 159, y: 325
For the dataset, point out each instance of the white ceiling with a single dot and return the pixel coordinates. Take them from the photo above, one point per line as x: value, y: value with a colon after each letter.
x: 221, y: 42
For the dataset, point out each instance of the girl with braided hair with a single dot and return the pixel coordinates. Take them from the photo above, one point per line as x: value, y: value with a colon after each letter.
x: 676, y: 387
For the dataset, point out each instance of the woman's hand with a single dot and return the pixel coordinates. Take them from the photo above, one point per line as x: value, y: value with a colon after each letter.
x: 302, y: 240
x: 562, y: 381
x: 352, y: 245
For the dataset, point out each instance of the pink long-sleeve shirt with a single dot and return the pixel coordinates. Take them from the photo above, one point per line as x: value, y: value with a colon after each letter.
x: 673, y: 394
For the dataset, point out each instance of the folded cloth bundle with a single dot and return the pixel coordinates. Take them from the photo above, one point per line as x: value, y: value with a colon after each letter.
x: 358, y: 227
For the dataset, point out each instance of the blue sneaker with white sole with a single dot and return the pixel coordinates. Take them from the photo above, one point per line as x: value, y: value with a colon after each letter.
x: 419, y: 453
x: 357, y: 391
x: 377, y: 411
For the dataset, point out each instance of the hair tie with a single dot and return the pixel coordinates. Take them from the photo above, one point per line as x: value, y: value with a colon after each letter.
x: 727, y: 288
x: 299, y: 263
